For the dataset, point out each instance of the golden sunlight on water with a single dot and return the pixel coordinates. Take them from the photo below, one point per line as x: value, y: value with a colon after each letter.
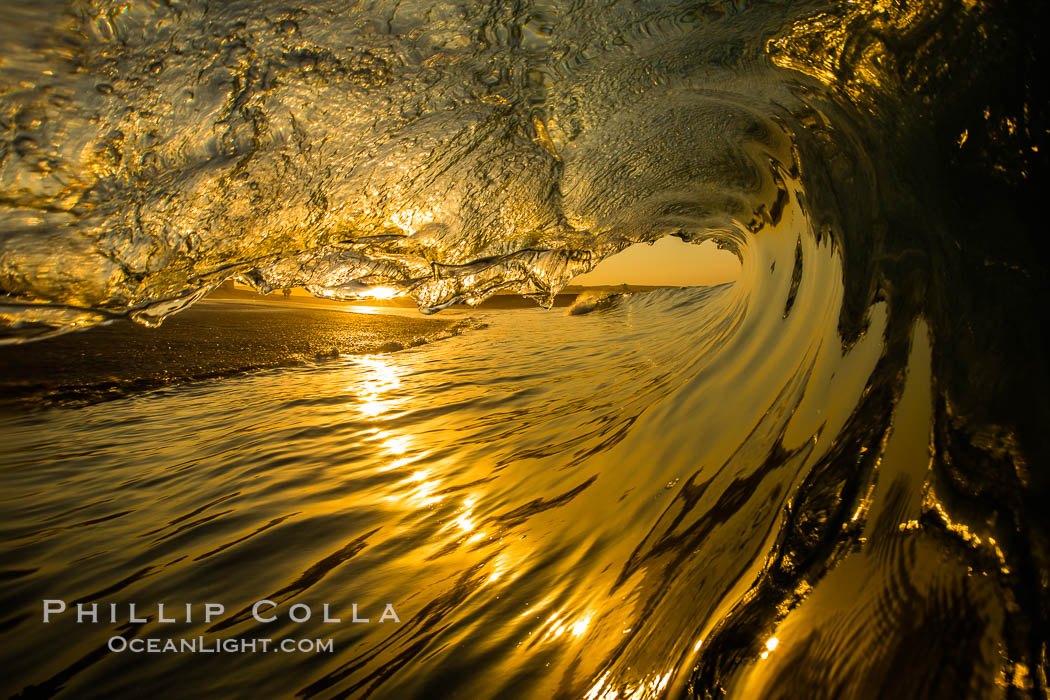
x: 373, y: 383
x: 782, y: 436
x: 475, y: 502
x: 512, y: 497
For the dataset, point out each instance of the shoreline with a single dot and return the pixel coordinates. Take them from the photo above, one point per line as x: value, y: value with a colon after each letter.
x: 215, y: 338
x: 567, y: 297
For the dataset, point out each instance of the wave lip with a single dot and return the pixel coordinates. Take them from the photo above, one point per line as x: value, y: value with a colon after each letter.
x: 854, y: 155
x: 589, y: 301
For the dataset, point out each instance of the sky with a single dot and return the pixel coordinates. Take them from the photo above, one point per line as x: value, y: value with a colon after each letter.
x: 670, y: 261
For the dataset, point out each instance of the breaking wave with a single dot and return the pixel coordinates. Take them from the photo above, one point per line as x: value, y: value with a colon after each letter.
x: 873, y: 165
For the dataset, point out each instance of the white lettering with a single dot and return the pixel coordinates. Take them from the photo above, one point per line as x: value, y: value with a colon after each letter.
x: 327, y: 617
x: 160, y: 614
x: 255, y: 611
x: 81, y: 614
x: 132, y: 618
x: 291, y: 613
x: 388, y: 613
x: 53, y: 607
x: 213, y: 609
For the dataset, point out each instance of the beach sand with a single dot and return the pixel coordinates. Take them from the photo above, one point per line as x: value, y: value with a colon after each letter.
x: 214, y: 338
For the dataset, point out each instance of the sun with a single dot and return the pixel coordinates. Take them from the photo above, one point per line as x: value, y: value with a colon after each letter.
x: 381, y: 293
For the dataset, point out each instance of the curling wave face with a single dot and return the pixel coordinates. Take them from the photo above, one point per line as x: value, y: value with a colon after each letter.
x: 867, y: 501
x: 153, y: 150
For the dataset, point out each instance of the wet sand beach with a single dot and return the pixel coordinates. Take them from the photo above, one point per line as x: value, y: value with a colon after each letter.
x: 212, y: 339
